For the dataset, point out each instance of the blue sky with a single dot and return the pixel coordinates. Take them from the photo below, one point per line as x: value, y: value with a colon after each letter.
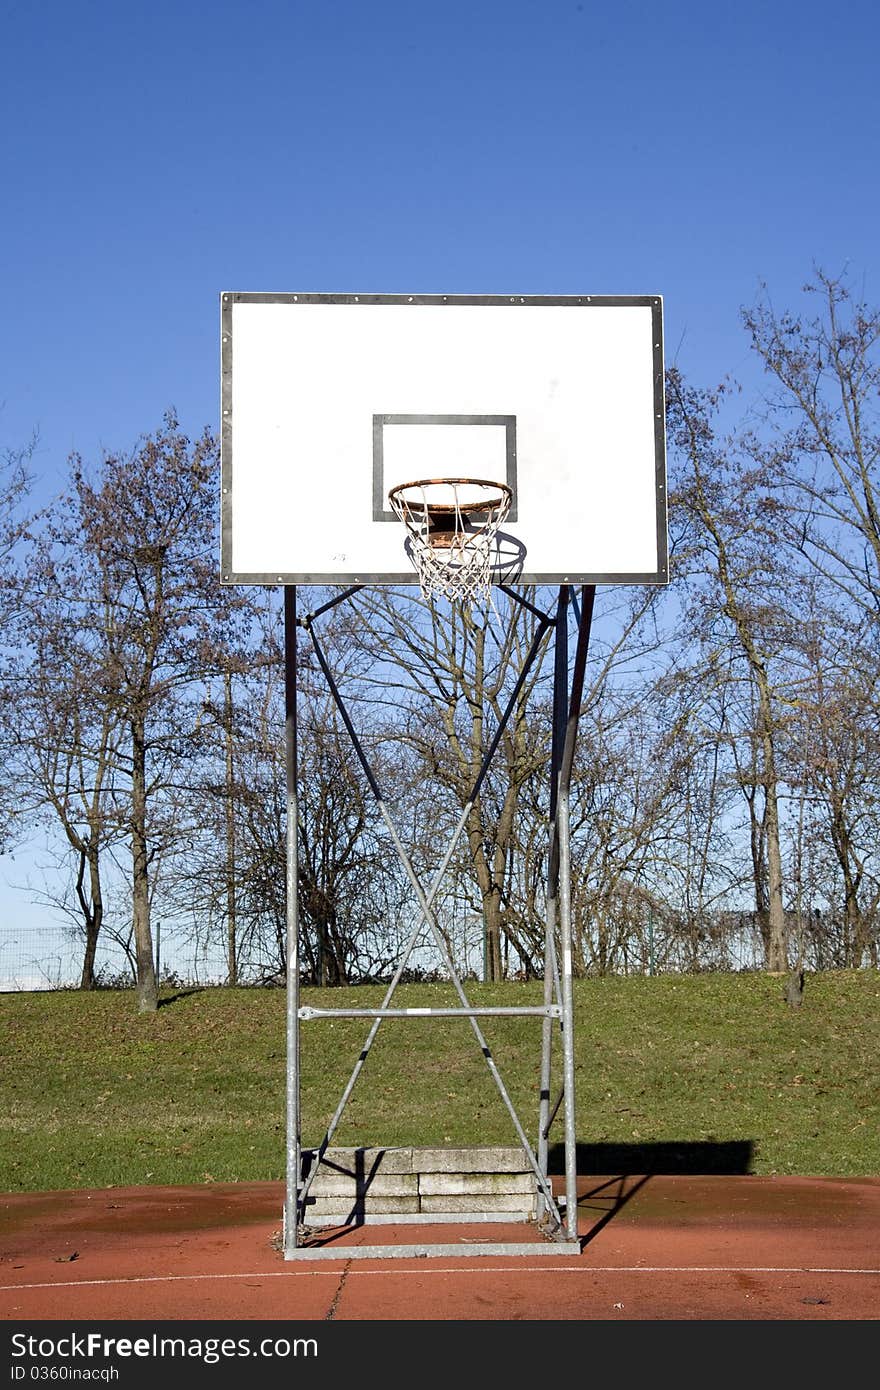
x: 154, y: 154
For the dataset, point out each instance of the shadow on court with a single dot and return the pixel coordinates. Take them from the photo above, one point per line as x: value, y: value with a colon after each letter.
x: 703, y: 1157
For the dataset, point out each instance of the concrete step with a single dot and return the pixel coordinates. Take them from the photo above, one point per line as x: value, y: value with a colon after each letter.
x: 330, y: 1184
x: 479, y: 1159
x: 360, y: 1183
x: 515, y: 1202
x: 471, y: 1160
x: 354, y: 1206
x: 474, y: 1184
x: 359, y: 1162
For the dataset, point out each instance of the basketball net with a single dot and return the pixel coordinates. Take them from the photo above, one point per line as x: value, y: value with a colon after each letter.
x: 452, y: 525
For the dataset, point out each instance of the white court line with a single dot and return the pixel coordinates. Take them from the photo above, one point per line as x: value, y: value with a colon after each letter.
x: 453, y: 1269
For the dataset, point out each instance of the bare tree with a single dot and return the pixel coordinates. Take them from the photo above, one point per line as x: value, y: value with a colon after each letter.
x: 733, y: 549
x: 837, y: 737
x: 821, y: 448
x: 148, y: 524
x: 350, y: 892
x: 15, y: 523
x: 66, y: 744
x: 692, y: 866
x: 825, y: 440
x: 448, y: 674
x: 228, y: 870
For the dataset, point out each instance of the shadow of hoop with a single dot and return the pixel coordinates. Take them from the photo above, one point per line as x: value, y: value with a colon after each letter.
x: 506, y: 564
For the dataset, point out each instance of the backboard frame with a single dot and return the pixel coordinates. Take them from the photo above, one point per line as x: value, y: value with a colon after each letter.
x: 229, y: 575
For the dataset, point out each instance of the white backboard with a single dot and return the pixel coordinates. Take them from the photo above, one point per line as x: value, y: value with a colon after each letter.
x: 329, y: 400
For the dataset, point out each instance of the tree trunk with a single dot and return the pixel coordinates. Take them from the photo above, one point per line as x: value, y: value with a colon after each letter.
x: 93, y: 913
x: 323, y: 953
x: 147, y: 991
x: 759, y: 865
x: 777, y: 945
x: 335, y: 941
x: 855, y: 928
x: 856, y: 931
x: 490, y: 893
x: 492, y: 931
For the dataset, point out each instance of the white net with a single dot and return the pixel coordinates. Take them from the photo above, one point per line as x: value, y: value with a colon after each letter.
x: 453, y: 527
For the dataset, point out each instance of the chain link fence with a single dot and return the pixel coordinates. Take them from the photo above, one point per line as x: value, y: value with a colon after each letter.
x: 51, y: 957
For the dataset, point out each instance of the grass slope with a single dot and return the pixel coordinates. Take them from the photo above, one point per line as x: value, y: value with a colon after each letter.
x: 93, y: 1094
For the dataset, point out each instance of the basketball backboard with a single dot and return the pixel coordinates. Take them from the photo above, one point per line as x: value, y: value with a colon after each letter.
x: 330, y: 400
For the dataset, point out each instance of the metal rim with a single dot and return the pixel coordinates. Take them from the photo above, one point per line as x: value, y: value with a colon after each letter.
x: 395, y: 495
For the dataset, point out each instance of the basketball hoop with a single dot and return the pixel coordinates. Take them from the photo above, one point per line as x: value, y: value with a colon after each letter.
x: 452, y: 525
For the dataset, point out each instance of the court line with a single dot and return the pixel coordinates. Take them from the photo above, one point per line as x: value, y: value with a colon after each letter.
x: 454, y: 1269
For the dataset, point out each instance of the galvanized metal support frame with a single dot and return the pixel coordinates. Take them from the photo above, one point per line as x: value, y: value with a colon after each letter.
x: 558, y: 999
x: 291, y: 1220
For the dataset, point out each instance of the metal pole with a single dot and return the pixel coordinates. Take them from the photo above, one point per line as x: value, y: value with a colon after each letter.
x: 560, y: 693
x: 231, y: 943
x: 524, y: 603
x: 442, y: 1011
x: 291, y: 1209
x: 546, y: 1041
x: 332, y: 602
x: 565, y: 935
x: 567, y: 1014
x: 560, y: 1097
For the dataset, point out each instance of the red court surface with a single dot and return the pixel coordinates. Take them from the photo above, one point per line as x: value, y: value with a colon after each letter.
x: 660, y: 1247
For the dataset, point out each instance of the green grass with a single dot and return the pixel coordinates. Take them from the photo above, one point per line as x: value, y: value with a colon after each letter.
x: 93, y: 1094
